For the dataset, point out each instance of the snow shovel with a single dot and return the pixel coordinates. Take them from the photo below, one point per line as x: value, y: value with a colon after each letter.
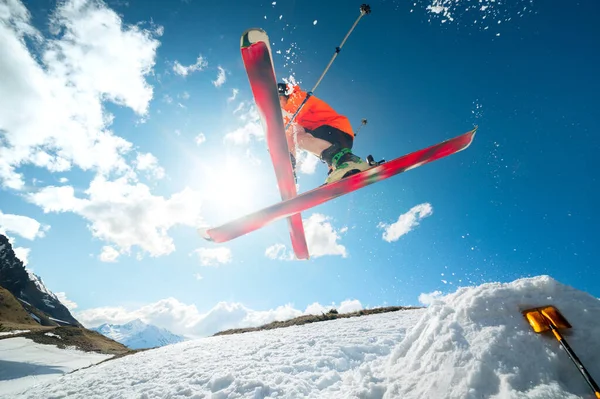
x: 548, y: 318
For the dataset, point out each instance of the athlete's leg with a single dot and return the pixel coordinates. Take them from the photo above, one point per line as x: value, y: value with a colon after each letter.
x: 334, y: 147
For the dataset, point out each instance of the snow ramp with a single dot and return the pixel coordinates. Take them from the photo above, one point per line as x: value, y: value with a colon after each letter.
x: 475, y: 343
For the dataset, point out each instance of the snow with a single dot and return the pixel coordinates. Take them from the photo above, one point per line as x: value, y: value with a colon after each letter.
x: 13, y: 332
x: 470, y: 12
x: 49, y: 334
x: 24, y: 363
x: 37, y: 280
x: 138, y: 335
x: 473, y: 343
x: 59, y: 320
x: 25, y: 302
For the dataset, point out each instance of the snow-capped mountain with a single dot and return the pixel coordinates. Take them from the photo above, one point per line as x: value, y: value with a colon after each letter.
x: 28, y: 287
x: 138, y: 335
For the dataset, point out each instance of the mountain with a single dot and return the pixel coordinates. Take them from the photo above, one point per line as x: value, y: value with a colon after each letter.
x: 138, y: 335
x: 29, y: 289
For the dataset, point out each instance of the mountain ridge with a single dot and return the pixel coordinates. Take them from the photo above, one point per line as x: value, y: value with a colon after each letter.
x: 136, y: 334
x: 29, y: 289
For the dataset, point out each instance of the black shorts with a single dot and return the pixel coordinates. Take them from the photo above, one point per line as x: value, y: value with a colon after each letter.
x: 333, y: 135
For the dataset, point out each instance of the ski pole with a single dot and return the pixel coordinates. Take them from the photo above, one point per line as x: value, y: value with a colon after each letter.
x: 362, y: 123
x: 364, y: 9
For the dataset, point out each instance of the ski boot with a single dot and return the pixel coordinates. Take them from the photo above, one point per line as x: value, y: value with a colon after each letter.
x: 342, y: 162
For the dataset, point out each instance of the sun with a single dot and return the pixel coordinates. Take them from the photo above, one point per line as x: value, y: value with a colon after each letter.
x: 233, y: 185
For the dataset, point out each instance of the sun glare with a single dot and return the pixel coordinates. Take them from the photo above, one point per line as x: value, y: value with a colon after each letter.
x: 233, y: 185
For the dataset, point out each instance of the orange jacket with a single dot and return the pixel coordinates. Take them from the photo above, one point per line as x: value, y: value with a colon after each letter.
x: 314, y: 114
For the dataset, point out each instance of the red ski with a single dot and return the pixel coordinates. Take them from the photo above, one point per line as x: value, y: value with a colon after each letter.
x: 256, y: 54
x: 324, y: 193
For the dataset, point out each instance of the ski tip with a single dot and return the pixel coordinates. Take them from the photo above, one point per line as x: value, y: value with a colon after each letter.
x: 253, y: 35
x: 204, y: 234
x: 473, y: 133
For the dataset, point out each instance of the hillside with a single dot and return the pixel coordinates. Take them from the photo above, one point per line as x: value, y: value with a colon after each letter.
x: 12, y: 313
x: 307, y: 319
x: 30, y: 290
x: 15, y: 317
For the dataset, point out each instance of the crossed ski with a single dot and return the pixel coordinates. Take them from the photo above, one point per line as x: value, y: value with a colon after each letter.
x: 258, y: 60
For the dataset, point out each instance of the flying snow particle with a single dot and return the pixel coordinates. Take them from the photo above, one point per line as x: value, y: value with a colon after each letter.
x: 315, y: 22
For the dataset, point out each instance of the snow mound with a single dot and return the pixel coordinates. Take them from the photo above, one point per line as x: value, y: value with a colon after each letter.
x: 475, y: 343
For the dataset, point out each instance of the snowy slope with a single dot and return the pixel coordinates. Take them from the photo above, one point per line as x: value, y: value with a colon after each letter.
x: 138, y: 335
x: 470, y: 344
x: 24, y: 363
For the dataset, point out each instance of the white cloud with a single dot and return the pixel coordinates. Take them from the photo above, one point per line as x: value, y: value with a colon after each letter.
x: 109, y: 254
x: 185, y: 95
x: 22, y: 254
x: 252, y: 129
x: 187, y: 320
x: 406, y: 222
x: 63, y: 180
x: 148, y: 162
x: 429, y: 298
x: 234, y: 93
x: 214, y: 256
x: 23, y: 226
x: 239, y: 108
x: 347, y: 306
x: 221, y: 77
x: 244, y: 134
x: 62, y: 297
x: 253, y: 159
x: 279, y: 252
x: 198, y: 276
x: 316, y: 308
x: 350, y: 306
x: 51, y: 111
x: 200, y: 65
x: 307, y: 162
x: 321, y: 237
x: 125, y: 214
x: 200, y: 138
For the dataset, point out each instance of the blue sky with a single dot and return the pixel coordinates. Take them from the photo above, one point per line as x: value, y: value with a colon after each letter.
x: 149, y: 144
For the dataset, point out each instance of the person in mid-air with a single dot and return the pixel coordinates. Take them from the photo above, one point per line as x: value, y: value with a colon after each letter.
x: 320, y: 130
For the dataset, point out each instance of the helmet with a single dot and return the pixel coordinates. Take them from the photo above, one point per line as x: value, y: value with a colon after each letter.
x: 282, y: 89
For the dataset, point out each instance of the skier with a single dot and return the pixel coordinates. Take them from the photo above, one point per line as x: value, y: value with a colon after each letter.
x: 320, y: 130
